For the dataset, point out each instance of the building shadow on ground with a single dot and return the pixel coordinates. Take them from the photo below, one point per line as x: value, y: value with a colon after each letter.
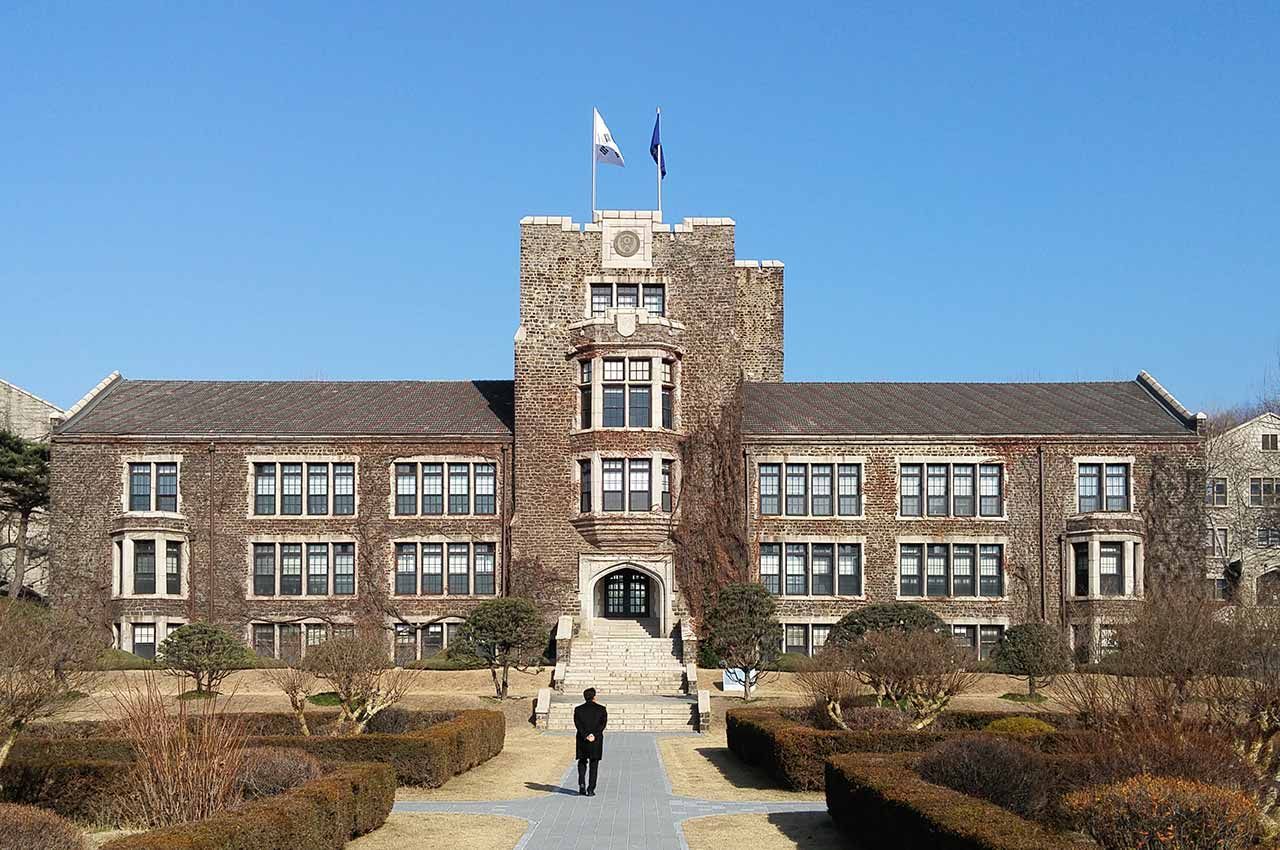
x: 736, y: 772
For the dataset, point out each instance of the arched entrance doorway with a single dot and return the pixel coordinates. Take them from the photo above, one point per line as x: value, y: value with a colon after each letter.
x: 626, y: 595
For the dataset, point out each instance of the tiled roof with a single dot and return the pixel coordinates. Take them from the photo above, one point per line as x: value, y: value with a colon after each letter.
x: 1110, y: 408
x: 298, y: 408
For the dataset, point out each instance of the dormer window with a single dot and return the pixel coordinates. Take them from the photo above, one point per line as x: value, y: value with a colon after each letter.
x: 628, y: 296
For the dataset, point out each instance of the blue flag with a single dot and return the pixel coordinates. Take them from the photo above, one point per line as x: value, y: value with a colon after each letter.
x: 655, y: 146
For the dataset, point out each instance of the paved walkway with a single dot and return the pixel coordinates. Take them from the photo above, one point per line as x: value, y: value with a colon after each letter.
x: 633, y: 809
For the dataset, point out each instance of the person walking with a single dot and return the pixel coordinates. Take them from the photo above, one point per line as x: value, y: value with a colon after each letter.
x: 589, y: 719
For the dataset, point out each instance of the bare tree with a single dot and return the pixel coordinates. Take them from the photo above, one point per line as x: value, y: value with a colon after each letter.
x: 919, y: 671
x: 829, y: 681
x: 44, y: 661
x: 297, y: 685
x: 360, y: 671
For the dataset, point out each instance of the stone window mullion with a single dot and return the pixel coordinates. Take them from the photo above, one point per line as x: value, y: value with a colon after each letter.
x: 1095, y: 567
x: 597, y: 393
x: 655, y: 393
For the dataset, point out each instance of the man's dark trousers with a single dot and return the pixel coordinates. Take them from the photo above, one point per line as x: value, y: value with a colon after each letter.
x: 590, y: 718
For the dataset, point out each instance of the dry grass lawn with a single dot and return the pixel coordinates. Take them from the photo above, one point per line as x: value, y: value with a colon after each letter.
x: 429, y: 829
x: 703, y: 767
x: 530, y: 764
x: 784, y: 831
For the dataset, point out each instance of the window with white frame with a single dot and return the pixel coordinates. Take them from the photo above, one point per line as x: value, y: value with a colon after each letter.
x: 426, y: 488
x: 951, y: 489
x: 1111, y: 569
x: 278, y: 569
x: 626, y: 484
x: 943, y: 570
x: 1271, y: 442
x: 1217, y: 542
x: 144, y: 640
x: 153, y: 486
x: 1215, y: 492
x: 148, y: 566
x: 652, y: 296
x: 297, y: 488
x: 1103, y: 487
x: 796, y: 638
x: 1264, y: 492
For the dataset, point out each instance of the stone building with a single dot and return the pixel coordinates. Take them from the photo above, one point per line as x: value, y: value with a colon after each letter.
x: 1242, y: 501
x: 287, y: 510
x: 31, y: 417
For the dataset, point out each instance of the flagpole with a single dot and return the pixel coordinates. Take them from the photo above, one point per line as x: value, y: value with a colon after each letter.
x: 592, y: 148
x: 658, y: 165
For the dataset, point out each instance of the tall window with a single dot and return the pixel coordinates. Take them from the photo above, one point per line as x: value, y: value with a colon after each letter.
x: 668, y: 395
x: 849, y: 565
x: 433, y: 488
x: 797, y: 569
x: 167, y: 487
x: 344, y: 569
x: 264, y: 488
x: 433, y: 568
x: 990, y: 487
x: 317, y: 569
x: 290, y: 569
x: 849, y: 483
x: 797, y: 638
x: 611, y: 475
x: 820, y: 483
x: 486, y: 488
x: 770, y: 489
x: 264, y: 640
x: 639, y: 394
x: 291, y: 489
x: 797, y: 489
x: 584, y: 394
x: 406, y: 488
x: 1080, y: 557
x: 640, y: 497
x: 144, y: 640
x: 771, y: 567
x: 172, y: 567
x: 459, y: 488
x: 344, y: 489
x: 822, y: 569
x: 628, y: 295
x: 990, y: 570
x: 484, y: 566
x: 655, y: 300
x: 1117, y: 487
x: 318, y: 488
x: 144, y: 566
x: 666, y: 486
x: 990, y: 640
x: 139, y: 486
x: 937, y: 579
x: 909, y: 489
x: 1271, y: 442
x: 459, y: 569
x: 1111, y: 569
x: 963, y: 578
x: 909, y: 564
x: 1103, y: 487
x: 615, y: 394
x: 601, y: 298
x: 584, y: 486
x: 264, y: 569
x: 1215, y: 492
x: 406, y: 569
x: 962, y: 490
x: 937, y: 489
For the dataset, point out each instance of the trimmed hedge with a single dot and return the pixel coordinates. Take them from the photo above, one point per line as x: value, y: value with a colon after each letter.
x: 77, y: 789
x: 795, y: 753
x: 257, y: 724
x: 324, y: 814
x: 881, y: 800
x: 437, y: 746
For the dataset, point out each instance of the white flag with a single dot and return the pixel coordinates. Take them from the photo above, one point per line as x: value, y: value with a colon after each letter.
x: 606, y: 150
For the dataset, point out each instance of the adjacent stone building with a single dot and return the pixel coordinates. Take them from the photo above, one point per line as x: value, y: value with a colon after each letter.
x: 31, y: 417
x: 288, y: 510
x: 1242, y: 499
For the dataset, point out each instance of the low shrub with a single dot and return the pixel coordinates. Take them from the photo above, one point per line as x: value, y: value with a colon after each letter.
x: 1020, y: 725
x: 880, y: 801
x: 708, y: 659
x: 32, y: 828
x: 268, y: 771
x: 991, y: 767
x: 791, y: 662
x: 443, y: 660
x: 1181, y: 750
x: 324, y: 814
x: 118, y: 659
x: 77, y: 789
x: 1159, y: 811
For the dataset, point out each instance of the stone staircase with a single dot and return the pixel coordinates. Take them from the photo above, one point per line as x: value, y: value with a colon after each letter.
x: 624, y: 665
x: 630, y: 713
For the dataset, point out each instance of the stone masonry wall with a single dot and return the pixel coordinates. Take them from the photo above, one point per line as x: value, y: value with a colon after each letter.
x: 760, y: 319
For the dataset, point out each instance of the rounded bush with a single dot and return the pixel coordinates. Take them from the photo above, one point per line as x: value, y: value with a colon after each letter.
x: 1183, y: 814
x: 995, y: 768
x: 1020, y: 725
x: 269, y: 771
x: 33, y: 828
x: 898, y: 616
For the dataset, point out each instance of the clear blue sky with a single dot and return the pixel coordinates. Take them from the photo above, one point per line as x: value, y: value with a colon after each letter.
x: 1009, y: 192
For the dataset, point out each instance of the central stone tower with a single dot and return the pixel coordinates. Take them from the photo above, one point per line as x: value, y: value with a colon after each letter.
x: 633, y: 334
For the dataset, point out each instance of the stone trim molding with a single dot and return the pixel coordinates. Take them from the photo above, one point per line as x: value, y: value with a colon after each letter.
x: 592, y: 568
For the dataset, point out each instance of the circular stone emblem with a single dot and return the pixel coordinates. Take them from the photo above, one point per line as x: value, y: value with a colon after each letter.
x: 626, y: 243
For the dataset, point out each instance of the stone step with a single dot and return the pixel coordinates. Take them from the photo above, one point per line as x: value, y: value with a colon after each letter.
x: 677, y: 715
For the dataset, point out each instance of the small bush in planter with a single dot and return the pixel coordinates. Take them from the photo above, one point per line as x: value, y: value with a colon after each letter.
x: 1160, y: 811
x: 992, y: 767
x: 1020, y: 725
x: 32, y: 828
x: 268, y: 771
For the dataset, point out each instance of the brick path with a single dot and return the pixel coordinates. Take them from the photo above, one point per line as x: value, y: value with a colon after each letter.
x: 633, y: 809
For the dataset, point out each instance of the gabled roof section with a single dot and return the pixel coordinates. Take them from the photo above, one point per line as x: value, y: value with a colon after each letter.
x: 53, y: 408
x: 482, y: 409
x: 1103, y: 408
x: 1266, y: 417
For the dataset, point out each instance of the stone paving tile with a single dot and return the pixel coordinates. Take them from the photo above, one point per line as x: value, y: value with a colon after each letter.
x: 633, y: 809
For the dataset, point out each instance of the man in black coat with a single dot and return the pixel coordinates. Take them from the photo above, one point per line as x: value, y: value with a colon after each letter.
x: 590, y: 719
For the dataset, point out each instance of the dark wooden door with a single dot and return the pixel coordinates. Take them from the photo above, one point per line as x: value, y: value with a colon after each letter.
x: 626, y: 594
